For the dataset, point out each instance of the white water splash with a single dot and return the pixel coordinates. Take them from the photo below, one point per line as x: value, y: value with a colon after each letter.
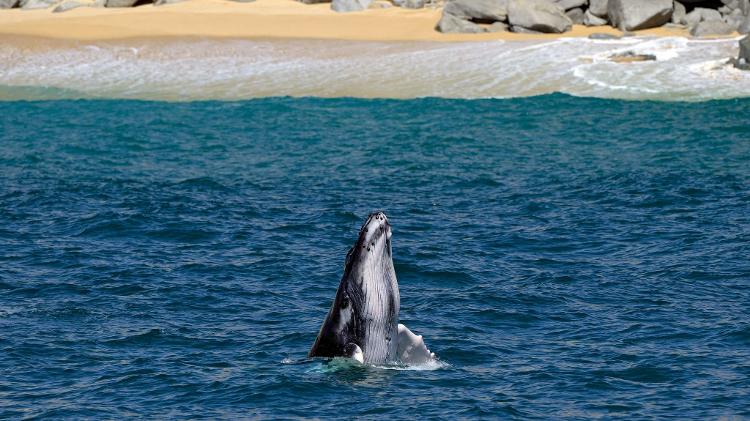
x: 337, y: 364
x: 684, y: 69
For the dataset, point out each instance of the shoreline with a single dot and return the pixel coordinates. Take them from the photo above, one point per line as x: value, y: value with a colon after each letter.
x: 259, y: 20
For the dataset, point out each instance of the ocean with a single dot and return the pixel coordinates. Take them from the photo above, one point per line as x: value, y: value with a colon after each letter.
x: 565, y: 257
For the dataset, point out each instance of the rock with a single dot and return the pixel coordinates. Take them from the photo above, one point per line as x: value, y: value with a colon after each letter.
x: 598, y: 8
x: 450, y: 24
x: 409, y: 4
x: 37, y: 4
x: 538, y: 15
x: 679, y: 13
x: 68, y: 5
x: 744, y: 27
x: 589, y: 19
x: 482, y: 11
x: 701, y: 14
x: 742, y: 62
x: 120, y: 3
x: 734, y: 21
x: 8, y: 4
x: 575, y: 16
x: 602, y: 36
x: 711, y: 27
x: 343, y: 6
x: 522, y: 30
x: 163, y: 2
x: 379, y: 4
x: 632, y: 15
x: 570, y: 4
x: 724, y: 10
x: 497, y: 27
x: 745, y: 49
x: 744, y: 7
x: 631, y: 57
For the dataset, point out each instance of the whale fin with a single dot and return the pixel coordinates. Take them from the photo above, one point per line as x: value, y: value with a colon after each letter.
x: 354, y: 352
x: 411, y: 347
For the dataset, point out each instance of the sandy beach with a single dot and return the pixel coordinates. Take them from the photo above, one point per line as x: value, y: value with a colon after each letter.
x: 262, y: 19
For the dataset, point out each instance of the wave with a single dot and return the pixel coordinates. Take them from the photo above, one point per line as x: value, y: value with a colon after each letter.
x: 184, y: 70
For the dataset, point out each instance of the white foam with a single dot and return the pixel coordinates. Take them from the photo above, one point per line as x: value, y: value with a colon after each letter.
x: 188, y: 70
x: 434, y: 364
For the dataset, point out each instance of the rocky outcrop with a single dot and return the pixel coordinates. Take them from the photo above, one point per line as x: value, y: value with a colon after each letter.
x: 598, y: 8
x: 744, y: 27
x: 450, y: 24
x: 632, y: 15
x: 7, y: 4
x: 409, y: 4
x: 571, y: 4
x: 350, y: 5
x: 742, y: 61
x: 68, y: 5
x: 497, y: 27
x: 464, y: 16
x: 575, y: 16
x: 484, y: 11
x: 538, y: 15
x: 679, y: 13
x: 631, y: 57
x: 711, y: 27
x: 745, y: 48
x: 589, y: 19
x: 734, y: 19
x: 120, y: 3
x: 701, y: 14
x: 37, y: 4
x: 603, y: 36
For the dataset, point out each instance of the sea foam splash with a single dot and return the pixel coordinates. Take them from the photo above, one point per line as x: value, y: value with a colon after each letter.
x: 338, y: 364
x: 689, y: 70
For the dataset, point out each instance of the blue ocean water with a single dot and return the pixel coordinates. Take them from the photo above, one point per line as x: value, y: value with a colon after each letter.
x: 565, y: 258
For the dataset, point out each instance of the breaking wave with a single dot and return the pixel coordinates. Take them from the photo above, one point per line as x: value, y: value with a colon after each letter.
x: 182, y: 70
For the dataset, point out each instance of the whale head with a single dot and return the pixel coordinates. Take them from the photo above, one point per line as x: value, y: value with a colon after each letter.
x: 373, y: 246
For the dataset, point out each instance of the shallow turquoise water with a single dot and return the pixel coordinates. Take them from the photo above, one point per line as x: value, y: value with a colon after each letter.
x: 564, y: 257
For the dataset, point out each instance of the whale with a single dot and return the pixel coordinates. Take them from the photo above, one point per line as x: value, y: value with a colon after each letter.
x: 363, y: 321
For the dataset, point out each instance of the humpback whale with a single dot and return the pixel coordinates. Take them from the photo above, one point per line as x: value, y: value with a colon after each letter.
x: 363, y: 320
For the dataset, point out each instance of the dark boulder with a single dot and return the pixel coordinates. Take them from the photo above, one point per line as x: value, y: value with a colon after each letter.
x: 452, y: 24
x: 409, y: 4
x: 539, y: 16
x: 120, y: 3
x: 486, y: 11
x: 598, y: 8
x: 589, y: 19
x: 571, y: 4
x: 679, y: 13
x: 710, y: 28
x: 343, y: 6
x: 631, y: 57
x: 632, y: 15
x: 575, y: 16
x: 742, y: 62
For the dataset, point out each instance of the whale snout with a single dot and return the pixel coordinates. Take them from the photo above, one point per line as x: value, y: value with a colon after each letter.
x: 376, y: 227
